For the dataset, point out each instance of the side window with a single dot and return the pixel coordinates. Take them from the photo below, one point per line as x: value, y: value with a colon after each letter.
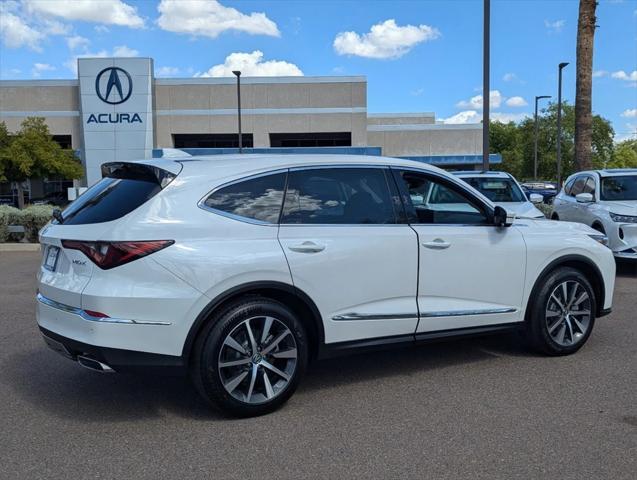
x: 338, y: 196
x: 258, y: 198
x: 578, y: 186
x: 438, y: 202
x: 590, y: 186
x: 569, y: 186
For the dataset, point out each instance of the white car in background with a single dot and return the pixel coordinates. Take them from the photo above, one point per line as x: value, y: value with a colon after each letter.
x: 239, y: 269
x: 503, y: 189
x: 605, y: 200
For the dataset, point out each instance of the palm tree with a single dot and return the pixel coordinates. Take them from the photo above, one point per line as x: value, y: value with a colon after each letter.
x: 584, y: 84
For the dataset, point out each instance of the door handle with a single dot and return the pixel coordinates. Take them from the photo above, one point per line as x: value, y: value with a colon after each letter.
x: 437, y: 244
x: 307, y: 247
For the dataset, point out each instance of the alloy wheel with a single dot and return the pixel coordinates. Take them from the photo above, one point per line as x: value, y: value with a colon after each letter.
x: 257, y: 360
x: 568, y: 313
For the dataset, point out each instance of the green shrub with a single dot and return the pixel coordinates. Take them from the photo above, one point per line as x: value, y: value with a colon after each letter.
x: 34, y: 217
x: 545, y: 209
x: 9, y: 216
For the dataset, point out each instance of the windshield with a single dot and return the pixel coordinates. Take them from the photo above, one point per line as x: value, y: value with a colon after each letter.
x: 619, y: 188
x: 497, y: 189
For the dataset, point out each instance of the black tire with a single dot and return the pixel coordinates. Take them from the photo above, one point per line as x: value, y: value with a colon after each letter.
x: 207, y: 374
x: 538, y: 318
x: 555, y: 216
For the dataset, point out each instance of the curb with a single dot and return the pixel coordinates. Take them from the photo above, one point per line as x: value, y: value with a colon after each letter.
x: 19, y: 247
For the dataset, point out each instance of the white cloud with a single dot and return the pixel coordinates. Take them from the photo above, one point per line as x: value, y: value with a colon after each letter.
x: 417, y: 92
x: 38, y: 68
x: 621, y: 75
x: 467, y: 116
x: 252, y: 65
x: 630, y: 113
x: 629, y: 134
x: 476, y: 102
x: 167, y: 71
x: 109, y: 12
x: 509, y: 77
x: 120, y: 51
x: 516, y: 102
x: 101, y: 29
x: 508, y: 117
x: 77, y: 42
x: 384, y: 40
x: 124, y: 51
x: 210, y: 19
x: 599, y: 73
x: 554, y: 26
x: 15, y: 32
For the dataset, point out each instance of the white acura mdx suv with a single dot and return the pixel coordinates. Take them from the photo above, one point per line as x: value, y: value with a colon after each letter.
x: 240, y: 269
x: 605, y: 200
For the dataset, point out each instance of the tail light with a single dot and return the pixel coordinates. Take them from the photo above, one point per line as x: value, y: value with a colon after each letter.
x: 107, y: 255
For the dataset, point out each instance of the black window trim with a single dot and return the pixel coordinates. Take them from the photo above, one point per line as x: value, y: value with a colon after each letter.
x: 202, y: 203
x: 411, y: 215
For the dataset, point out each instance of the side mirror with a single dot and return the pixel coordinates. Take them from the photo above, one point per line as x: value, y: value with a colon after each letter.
x: 536, y: 198
x: 502, y: 218
x: 584, y: 197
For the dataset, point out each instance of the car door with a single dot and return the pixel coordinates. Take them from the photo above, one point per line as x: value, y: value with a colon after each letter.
x: 584, y: 212
x: 570, y: 209
x: 471, y: 272
x: 347, y: 251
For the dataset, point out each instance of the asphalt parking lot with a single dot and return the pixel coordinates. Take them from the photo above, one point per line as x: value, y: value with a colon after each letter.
x: 480, y: 408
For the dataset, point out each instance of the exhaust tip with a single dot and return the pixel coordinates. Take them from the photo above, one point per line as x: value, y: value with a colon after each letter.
x: 93, y: 364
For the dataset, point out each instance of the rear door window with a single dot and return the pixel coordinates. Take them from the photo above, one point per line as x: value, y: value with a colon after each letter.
x: 258, y: 198
x: 339, y: 196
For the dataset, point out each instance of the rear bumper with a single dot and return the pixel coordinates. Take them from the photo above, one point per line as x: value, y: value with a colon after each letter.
x: 119, y: 360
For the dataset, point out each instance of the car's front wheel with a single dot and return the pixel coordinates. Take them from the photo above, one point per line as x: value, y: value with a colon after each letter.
x: 250, y: 357
x: 562, y: 313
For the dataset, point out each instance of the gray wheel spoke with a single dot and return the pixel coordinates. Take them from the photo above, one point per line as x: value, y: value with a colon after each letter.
x: 271, y: 367
x: 553, y: 313
x: 275, y: 342
x: 555, y: 325
x: 561, y: 334
x: 253, y: 343
x: 577, y: 323
x: 573, y: 313
x: 564, y: 292
x: 285, y: 353
x: 581, y: 298
x: 269, y: 393
x: 569, y: 329
x: 234, y: 363
x: 556, y: 300
x: 234, y: 383
x: 253, y: 379
x: 266, y: 328
x: 571, y: 297
x: 232, y: 343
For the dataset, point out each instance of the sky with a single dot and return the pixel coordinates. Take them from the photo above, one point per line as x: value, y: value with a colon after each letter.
x: 418, y: 56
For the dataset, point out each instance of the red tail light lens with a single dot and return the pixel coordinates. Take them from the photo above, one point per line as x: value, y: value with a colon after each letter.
x: 107, y: 255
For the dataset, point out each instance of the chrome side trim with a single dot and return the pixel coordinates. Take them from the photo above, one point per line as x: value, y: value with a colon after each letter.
x: 373, y: 316
x: 82, y: 313
x: 458, y: 313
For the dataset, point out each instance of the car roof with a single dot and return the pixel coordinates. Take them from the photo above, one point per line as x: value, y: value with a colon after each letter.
x: 608, y: 172
x: 240, y: 164
x: 481, y: 173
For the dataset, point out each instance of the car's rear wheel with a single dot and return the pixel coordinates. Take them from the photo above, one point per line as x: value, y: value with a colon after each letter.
x: 250, y: 357
x: 562, y: 313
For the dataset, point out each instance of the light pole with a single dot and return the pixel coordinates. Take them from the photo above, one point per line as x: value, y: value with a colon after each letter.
x: 486, y: 94
x: 559, y: 124
x: 238, y: 74
x: 537, y: 97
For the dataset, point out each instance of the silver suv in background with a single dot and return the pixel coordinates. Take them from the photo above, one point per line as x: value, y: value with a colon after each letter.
x: 605, y: 200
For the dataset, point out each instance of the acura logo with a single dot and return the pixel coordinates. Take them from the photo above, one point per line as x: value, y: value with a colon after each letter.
x: 117, y: 88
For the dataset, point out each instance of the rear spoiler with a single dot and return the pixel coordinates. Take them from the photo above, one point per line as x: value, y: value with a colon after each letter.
x: 139, y: 171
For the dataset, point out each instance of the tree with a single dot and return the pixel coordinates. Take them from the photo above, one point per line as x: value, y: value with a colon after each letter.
x: 584, y: 85
x: 515, y: 143
x: 32, y: 153
x: 625, y: 155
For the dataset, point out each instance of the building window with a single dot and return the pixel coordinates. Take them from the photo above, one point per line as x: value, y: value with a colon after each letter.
x: 211, y: 140
x: 64, y: 141
x: 322, y: 139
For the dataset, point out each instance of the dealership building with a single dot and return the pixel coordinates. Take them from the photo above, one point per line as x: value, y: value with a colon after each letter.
x: 117, y: 110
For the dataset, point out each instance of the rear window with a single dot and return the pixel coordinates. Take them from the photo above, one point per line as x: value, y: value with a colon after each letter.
x: 497, y: 189
x: 109, y: 199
